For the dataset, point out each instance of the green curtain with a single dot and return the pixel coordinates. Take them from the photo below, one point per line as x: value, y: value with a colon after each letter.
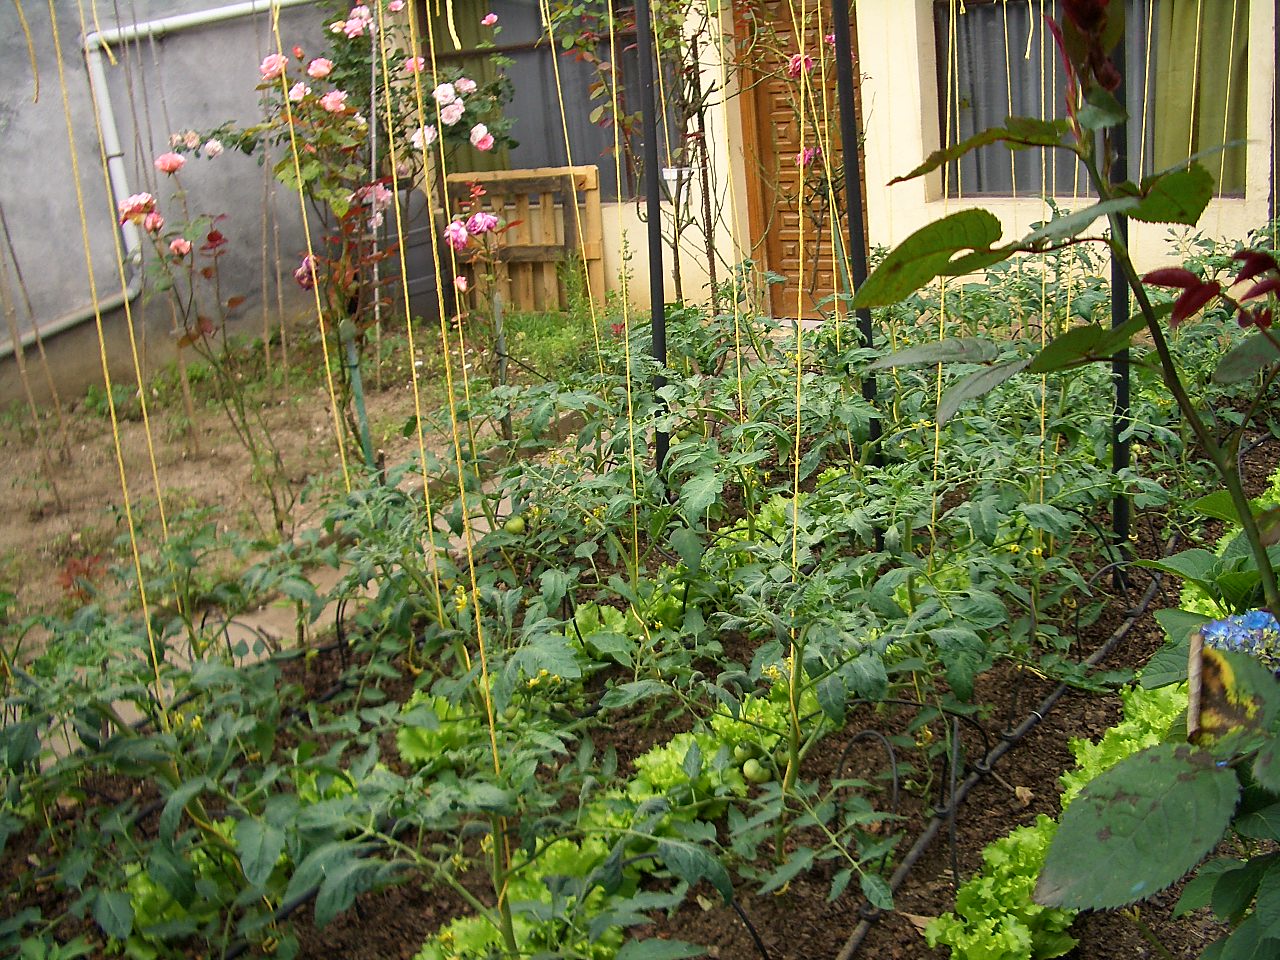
x: 466, y: 18
x: 1201, y: 85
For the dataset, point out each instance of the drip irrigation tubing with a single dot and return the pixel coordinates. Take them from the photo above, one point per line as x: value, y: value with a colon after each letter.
x: 1008, y: 740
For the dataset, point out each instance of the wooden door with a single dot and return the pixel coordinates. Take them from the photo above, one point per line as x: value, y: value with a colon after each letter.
x: 791, y: 134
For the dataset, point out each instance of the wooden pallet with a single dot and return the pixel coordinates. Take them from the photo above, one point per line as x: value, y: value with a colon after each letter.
x: 551, y: 208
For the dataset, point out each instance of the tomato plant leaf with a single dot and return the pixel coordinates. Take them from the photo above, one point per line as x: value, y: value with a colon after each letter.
x: 876, y: 889
x: 691, y: 863
x: 260, y: 846
x: 113, y: 910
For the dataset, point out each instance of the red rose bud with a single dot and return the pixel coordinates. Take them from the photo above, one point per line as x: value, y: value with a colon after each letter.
x: 1270, y: 285
x: 1172, y: 277
x: 1087, y: 16
x: 1192, y: 301
x: 1107, y: 75
x: 1255, y: 262
x: 297, y: 52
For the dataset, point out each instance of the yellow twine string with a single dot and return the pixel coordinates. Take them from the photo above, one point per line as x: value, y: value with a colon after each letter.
x: 106, y: 373
x: 433, y: 557
x: 306, y: 232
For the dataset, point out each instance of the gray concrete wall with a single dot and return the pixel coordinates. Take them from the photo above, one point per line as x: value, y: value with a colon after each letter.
x: 194, y: 79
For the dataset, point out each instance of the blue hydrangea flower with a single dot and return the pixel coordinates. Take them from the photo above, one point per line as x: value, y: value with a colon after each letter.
x: 1256, y: 633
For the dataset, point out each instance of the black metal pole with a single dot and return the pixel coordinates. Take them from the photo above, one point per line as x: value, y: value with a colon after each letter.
x: 1120, y: 419
x: 653, y: 205
x: 857, y: 245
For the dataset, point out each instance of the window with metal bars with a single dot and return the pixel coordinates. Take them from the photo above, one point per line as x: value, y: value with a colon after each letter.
x: 1185, y: 84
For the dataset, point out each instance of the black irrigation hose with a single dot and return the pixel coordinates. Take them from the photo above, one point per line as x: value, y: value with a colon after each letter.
x: 755, y: 937
x: 982, y: 768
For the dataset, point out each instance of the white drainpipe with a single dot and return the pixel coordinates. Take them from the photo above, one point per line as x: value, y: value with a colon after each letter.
x: 94, y: 45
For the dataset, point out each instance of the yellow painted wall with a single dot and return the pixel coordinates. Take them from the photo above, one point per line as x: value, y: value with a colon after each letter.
x: 900, y: 101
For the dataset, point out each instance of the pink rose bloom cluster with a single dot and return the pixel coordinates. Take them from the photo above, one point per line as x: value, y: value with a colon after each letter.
x: 188, y: 138
x: 153, y: 223
x: 298, y: 91
x: 465, y: 86
x: 273, y: 66
x: 133, y: 209
x: 179, y: 246
x: 335, y: 101
x: 305, y: 275
x: 460, y: 284
x: 423, y: 137
x: 213, y: 148
x: 378, y: 198
x: 452, y: 113
x: 170, y: 163
x: 456, y: 235
x: 489, y: 19
x: 481, y: 222
x: 807, y: 156
x: 481, y: 138
x: 414, y: 64
x: 319, y: 68
x: 798, y: 64
x: 359, y: 20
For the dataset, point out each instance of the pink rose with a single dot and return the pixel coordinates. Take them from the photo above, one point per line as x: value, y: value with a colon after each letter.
x: 807, y: 156
x: 460, y: 284
x: 445, y: 94
x: 481, y: 222
x: 319, y: 68
x: 414, y: 64
x: 360, y: 12
x: 376, y: 195
x: 799, y: 63
x: 395, y: 6
x: 213, y: 148
x: 353, y: 28
x: 134, y: 208
x: 489, y: 19
x: 335, y: 101
x: 190, y: 140
x: 153, y: 223
x: 338, y: 26
x: 456, y: 235
x: 830, y: 38
x: 272, y: 66
x: 170, y: 163
x: 465, y: 85
x: 179, y: 246
x: 298, y: 91
x: 478, y: 132
x: 485, y: 143
x: 452, y: 113
x: 423, y: 137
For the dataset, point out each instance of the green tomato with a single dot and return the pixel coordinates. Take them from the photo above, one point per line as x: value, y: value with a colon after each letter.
x: 514, y: 525
x: 754, y: 771
x: 744, y: 752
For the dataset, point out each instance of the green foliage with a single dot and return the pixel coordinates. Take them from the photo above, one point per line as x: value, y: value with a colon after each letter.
x: 995, y: 917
